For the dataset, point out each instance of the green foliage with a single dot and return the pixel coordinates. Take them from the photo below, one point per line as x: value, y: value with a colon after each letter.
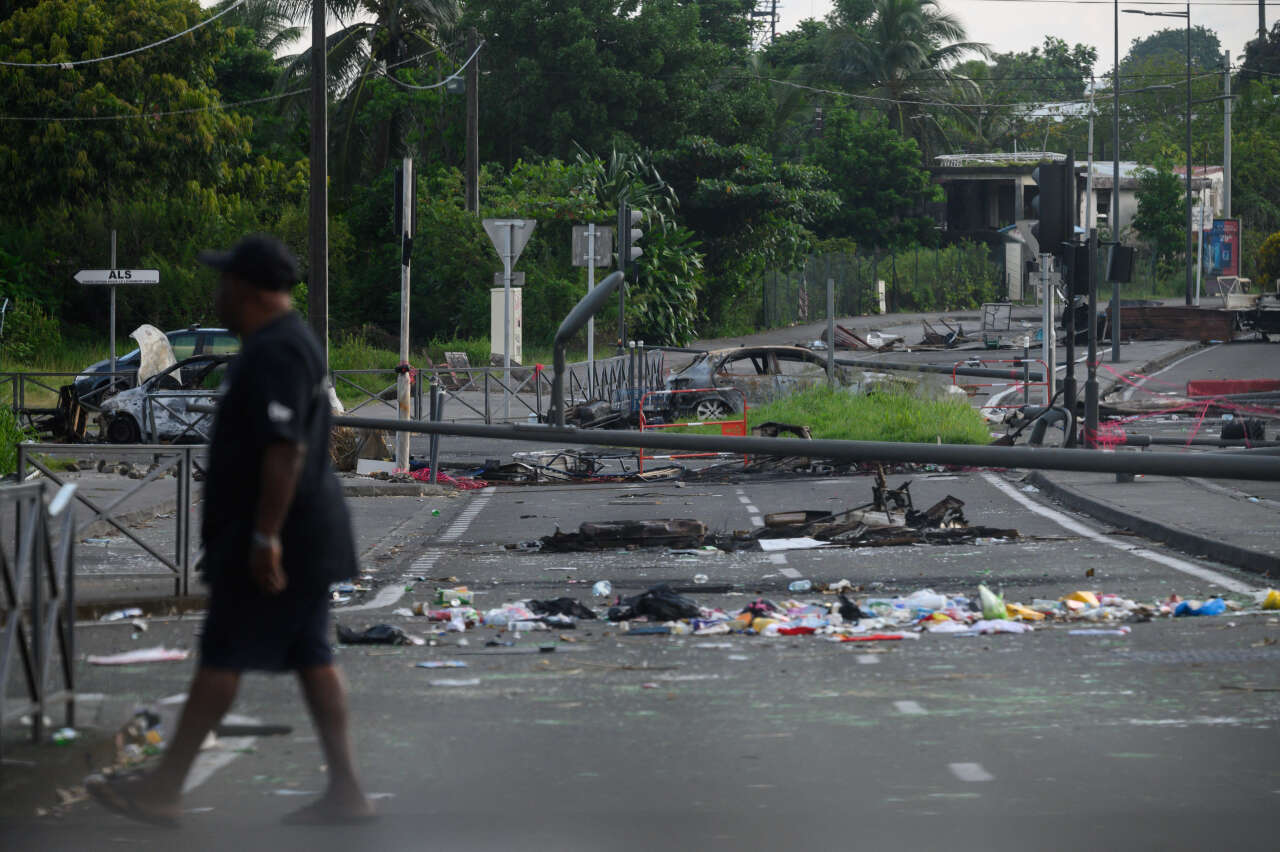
x: 28, y: 331
x: 11, y: 434
x: 1262, y: 57
x: 1160, y: 220
x: 877, y: 175
x: 1268, y: 263
x: 1206, y: 49
x: 841, y: 415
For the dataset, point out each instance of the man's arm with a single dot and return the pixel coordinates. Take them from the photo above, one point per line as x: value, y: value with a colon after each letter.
x: 278, y: 483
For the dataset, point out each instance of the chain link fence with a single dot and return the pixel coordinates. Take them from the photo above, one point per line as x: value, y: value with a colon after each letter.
x: 920, y: 279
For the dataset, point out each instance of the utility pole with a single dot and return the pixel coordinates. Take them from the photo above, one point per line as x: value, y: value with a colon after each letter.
x: 1091, y: 383
x: 1262, y: 19
x: 404, y: 206
x: 318, y: 282
x: 113, y: 311
x: 1226, y: 135
x: 473, y: 124
x: 1113, y: 221
x: 1188, y: 205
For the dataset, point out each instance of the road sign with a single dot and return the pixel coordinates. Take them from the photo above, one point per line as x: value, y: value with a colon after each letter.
x: 517, y: 279
x: 112, y: 277
x: 517, y: 230
x: 604, y: 246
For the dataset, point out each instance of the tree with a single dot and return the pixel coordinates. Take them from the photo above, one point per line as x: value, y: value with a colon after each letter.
x: 748, y: 211
x: 876, y: 173
x: 1161, y: 216
x: 1262, y: 57
x: 609, y: 74
x: 904, y: 53
x: 1206, y: 49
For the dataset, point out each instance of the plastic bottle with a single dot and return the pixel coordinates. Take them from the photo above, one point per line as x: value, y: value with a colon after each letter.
x: 65, y: 736
x: 926, y: 599
x: 800, y: 586
x: 700, y: 578
x: 602, y: 589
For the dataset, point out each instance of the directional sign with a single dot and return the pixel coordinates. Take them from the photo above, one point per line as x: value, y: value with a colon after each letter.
x: 518, y: 230
x: 517, y: 279
x: 118, y: 276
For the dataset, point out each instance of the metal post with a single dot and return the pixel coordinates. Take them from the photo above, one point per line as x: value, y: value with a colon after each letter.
x: 437, y: 414
x: 591, y: 323
x: 1200, y: 249
x: 508, y: 261
x: 1048, y: 344
x: 406, y: 249
x: 1091, y: 383
x: 472, y: 164
x: 318, y: 276
x: 1226, y: 135
x: 1113, y: 221
x: 1188, y: 122
x: 488, y: 418
x: 37, y: 613
x: 113, y: 310
x: 1026, y: 375
x: 831, y: 332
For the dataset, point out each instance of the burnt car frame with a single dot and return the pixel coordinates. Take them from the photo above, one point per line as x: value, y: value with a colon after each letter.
x: 158, y: 410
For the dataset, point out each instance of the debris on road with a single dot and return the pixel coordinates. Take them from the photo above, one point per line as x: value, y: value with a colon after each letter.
x: 675, y: 533
x: 378, y: 634
x: 157, y: 654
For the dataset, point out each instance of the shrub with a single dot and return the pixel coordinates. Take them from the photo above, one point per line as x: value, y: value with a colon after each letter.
x: 1269, y: 261
x: 28, y: 330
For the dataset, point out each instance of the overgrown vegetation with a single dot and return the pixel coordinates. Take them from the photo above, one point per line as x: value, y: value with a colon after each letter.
x: 11, y: 434
x: 877, y: 416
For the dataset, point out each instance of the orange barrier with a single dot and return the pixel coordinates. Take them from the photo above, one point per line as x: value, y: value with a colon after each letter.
x: 727, y: 427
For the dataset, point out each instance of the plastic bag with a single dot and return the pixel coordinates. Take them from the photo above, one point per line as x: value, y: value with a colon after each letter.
x: 1215, y: 606
x: 992, y: 604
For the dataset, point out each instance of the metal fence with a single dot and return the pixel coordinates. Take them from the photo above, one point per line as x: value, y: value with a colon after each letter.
x: 919, y: 279
x: 181, y: 461
x: 37, y: 610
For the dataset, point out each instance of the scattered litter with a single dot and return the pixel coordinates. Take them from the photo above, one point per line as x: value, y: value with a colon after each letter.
x: 602, y: 589
x: 1216, y: 606
x: 64, y: 736
x: 378, y: 634
x: 1094, y: 631
x: 800, y: 586
x: 140, y: 737
x: 1270, y: 599
x: 769, y: 545
x: 442, y: 664
x: 474, y: 681
x: 992, y: 604
x: 122, y: 614
x: 157, y: 654
x: 877, y: 637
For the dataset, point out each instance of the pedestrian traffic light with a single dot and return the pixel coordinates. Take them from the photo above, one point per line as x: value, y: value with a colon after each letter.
x: 629, y: 235
x: 1052, y: 207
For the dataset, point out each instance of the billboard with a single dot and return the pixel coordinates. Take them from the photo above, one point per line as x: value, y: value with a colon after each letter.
x: 1221, y: 248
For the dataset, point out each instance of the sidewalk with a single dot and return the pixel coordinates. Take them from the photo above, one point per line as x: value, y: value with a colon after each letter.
x: 1235, y: 523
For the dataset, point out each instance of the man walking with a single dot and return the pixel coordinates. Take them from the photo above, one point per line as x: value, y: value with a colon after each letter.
x: 276, y: 534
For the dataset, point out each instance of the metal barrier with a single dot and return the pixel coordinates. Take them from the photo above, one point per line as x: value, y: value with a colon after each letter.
x: 37, y: 612
x: 163, y: 458
x: 176, y: 404
x: 727, y: 427
x: 21, y: 384
x: 1025, y: 383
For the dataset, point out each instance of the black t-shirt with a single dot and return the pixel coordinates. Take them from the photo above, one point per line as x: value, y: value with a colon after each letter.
x: 276, y: 392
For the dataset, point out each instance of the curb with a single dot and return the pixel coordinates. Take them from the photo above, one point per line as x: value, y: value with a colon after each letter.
x: 1191, y: 543
x: 397, y: 489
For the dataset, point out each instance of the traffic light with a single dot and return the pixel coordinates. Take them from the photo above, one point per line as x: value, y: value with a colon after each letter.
x: 629, y: 234
x: 818, y: 120
x: 1055, y: 224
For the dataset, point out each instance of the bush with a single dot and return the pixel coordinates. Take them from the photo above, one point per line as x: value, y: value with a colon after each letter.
x: 28, y: 330
x: 1269, y: 261
x: 11, y: 434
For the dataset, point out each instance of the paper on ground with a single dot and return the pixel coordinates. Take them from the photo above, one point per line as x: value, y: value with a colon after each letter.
x: 799, y: 543
x: 141, y: 655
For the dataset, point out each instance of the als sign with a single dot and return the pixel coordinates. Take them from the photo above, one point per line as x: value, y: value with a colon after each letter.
x: 113, y: 277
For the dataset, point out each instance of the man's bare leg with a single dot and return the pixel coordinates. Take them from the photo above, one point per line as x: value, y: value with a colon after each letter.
x: 160, y: 791
x: 327, y: 700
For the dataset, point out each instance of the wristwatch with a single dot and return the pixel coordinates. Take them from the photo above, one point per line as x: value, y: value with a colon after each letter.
x: 261, y: 540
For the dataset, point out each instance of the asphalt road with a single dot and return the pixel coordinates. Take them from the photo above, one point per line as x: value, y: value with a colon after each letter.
x: 1161, y: 739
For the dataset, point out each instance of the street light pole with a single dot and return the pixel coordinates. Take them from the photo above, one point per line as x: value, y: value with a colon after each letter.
x: 1114, y: 219
x: 1188, y: 240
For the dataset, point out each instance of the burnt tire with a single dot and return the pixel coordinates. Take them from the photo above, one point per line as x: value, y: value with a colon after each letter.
x: 123, y: 429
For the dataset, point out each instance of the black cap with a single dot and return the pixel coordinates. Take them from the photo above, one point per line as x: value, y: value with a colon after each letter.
x: 262, y: 261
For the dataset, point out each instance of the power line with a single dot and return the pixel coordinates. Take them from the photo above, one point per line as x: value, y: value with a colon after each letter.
x: 443, y: 82
x: 67, y: 66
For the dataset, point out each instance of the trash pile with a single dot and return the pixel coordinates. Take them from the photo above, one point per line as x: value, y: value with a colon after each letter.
x: 662, y: 610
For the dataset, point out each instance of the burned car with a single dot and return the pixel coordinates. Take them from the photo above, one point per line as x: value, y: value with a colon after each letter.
x: 761, y: 373
x: 158, y: 410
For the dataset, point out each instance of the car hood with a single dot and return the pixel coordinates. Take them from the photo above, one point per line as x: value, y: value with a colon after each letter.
x: 157, y: 352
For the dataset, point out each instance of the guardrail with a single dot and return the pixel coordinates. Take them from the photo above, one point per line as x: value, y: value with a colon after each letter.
x: 21, y: 385
x: 736, y: 426
x: 1024, y: 383
x: 163, y: 458
x: 37, y: 611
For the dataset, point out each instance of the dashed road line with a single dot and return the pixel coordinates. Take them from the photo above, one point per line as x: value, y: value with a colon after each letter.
x: 972, y: 772
x: 752, y: 509
x: 1088, y: 532
x: 867, y: 659
x: 909, y: 708
x: 778, y: 558
x: 757, y: 521
x: 789, y: 573
x: 742, y: 498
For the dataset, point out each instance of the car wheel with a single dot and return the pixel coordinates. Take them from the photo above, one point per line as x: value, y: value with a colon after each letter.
x: 710, y: 409
x: 123, y: 429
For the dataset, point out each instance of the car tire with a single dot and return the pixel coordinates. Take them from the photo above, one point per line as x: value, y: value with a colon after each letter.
x: 123, y: 429
x: 710, y: 408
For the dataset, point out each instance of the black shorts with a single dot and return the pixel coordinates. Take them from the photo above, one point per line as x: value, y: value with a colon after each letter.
x: 246, y: 629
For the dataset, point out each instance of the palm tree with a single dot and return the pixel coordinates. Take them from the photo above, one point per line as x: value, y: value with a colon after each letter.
x: 904, y: 52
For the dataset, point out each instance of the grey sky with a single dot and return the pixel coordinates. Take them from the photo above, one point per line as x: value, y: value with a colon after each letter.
x: 1019, y: 26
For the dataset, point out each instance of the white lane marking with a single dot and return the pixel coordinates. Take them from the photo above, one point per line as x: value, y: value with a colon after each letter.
x: 909, y: 708
x: 1088, y: 532
x: 778, y: 558
x: 386, y: 596
x: 1137, y: 386
x: 752, y: 509
x: 229, y: 748
x: 789, y: 573
x: 469, y: 514
x: 742, y: 498
x: 867, y: 659
x: 970, y: 772
x: 757, y: 521
x: 739, y: 491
